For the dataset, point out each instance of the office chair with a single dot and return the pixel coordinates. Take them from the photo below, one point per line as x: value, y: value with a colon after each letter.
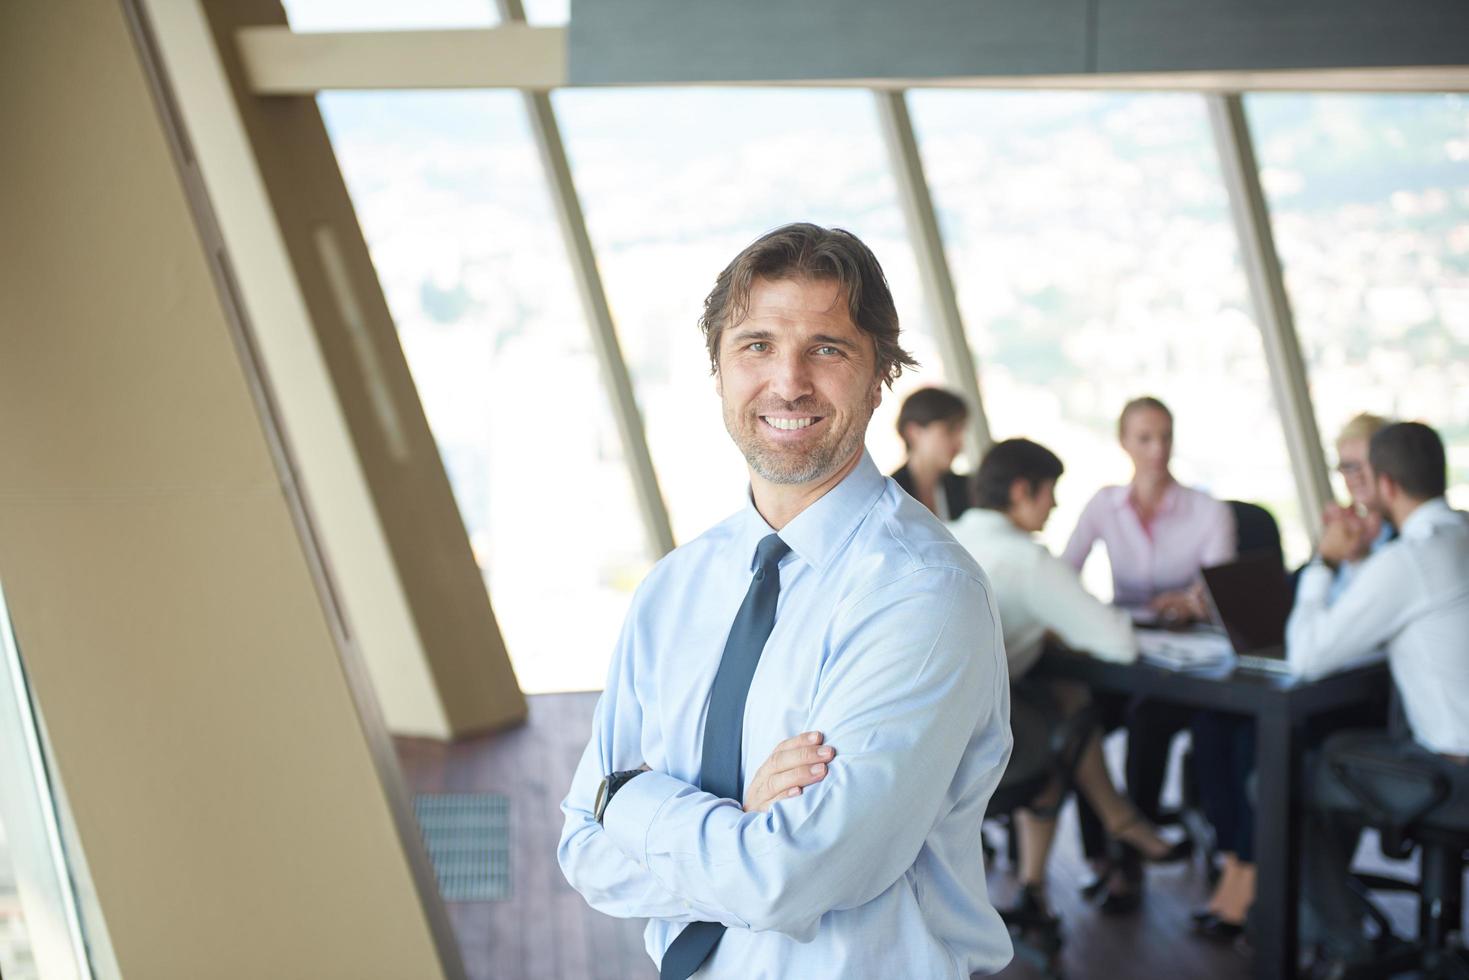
x: 1255, y: 530
x: 1036, y: 718
x: 1397, y: 796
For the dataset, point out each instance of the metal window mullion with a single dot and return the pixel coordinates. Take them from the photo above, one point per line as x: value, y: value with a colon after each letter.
x: 933, y: 264
x: 1251, y: 214
x: 599, y: 314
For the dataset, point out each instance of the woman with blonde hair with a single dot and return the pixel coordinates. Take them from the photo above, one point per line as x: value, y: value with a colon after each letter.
x: 1159, y: 535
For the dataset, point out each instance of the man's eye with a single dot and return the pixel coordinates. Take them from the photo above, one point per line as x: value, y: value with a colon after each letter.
x: 828, y: 349
x: 759, y: 347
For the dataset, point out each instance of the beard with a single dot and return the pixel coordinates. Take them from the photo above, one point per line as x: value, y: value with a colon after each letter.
x: 789, y: 466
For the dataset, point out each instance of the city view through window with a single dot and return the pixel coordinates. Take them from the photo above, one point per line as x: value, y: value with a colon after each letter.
x: 1090, y: 243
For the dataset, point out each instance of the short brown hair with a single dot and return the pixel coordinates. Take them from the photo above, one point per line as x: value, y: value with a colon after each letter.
x: 807, y: 251
x: 1008, y: 461
x: 1412, y: 456
x: 1146, y: 401
x: 929, y: 405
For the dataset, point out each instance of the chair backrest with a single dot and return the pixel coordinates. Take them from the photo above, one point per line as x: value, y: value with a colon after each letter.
x: 1255, y: 530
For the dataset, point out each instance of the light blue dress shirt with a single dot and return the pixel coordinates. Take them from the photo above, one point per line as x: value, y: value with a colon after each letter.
x: 886, y: 640
x: 1348, y: 570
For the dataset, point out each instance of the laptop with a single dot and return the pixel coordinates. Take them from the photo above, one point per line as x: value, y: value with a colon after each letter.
x: 1250, y: 599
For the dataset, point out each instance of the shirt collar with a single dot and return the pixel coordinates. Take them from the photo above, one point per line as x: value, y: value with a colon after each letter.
x: 1428, y: 515
x: 817, y: 532
x: 1166, y: 504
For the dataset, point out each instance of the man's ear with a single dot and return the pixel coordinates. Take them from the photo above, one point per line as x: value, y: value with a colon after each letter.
x: 877, y: 395
x: 718, y: 382
x: 1019, y: 491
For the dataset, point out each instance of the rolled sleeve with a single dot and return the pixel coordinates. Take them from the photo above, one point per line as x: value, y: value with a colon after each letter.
x: 633, y: 810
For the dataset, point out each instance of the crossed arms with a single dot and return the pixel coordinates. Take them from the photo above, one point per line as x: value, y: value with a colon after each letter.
x: 914, y: 700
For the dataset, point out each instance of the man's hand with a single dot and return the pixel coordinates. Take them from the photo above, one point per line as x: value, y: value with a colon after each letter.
x: 795, y: 764
x: 1344, y: 536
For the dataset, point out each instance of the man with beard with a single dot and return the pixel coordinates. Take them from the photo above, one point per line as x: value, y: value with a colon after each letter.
x: 808, y: 708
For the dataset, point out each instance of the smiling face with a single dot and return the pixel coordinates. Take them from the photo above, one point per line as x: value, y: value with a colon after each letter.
x: 798, y: 380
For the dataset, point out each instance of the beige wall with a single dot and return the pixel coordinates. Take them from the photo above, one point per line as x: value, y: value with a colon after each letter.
x: 226, y: 793
x: 371, y: 471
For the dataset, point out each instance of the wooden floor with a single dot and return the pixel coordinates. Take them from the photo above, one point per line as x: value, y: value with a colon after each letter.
x: 546, y: 932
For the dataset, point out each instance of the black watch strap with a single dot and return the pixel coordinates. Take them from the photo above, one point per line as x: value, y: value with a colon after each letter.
x: 610, y: 786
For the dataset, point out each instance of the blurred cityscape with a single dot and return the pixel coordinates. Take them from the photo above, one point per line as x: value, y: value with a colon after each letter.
x: 1088, y: 234
x: 16, y: 960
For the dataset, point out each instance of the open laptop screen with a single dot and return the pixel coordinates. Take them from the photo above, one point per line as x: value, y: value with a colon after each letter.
x: 1251, y: 600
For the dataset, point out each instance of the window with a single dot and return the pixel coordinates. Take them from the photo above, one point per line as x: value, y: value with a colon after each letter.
x: 1095, y: 260
x: 40, y: 930
x: 388, y: 15
x: 452, y: 200
x: 674, y: 183
x: 1369, y: 199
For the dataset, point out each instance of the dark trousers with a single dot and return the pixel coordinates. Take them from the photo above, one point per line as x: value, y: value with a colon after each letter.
x: 1224, y: 759
x: 1332, y: 911
x: 1151, y: 726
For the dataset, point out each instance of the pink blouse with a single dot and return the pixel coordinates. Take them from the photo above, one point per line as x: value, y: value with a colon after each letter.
x: 1191, y: 530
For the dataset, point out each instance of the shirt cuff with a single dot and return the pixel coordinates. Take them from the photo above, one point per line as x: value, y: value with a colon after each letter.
x: 633, y: 810
x: 1314, y: 585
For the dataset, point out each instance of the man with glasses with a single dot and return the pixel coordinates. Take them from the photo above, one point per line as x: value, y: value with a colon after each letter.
x: 1361, y: 520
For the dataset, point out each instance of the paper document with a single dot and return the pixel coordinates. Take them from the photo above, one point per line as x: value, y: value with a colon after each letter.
x: 1184, y: 651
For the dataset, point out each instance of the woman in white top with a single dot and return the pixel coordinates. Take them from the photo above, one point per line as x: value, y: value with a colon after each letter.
x: 1039, y: 595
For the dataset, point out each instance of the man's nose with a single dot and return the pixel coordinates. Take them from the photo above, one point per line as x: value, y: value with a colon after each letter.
x: 791, y: 377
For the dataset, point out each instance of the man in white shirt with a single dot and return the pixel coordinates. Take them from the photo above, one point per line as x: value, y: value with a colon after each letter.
x: 1037, y: 592
x: 1409, y: 600
x: 1040, y: 595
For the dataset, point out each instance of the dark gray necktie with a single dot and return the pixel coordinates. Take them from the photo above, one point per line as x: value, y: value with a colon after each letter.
x: 719, y: 766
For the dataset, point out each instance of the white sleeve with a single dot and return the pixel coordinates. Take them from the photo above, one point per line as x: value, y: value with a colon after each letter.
x: 1322, y: 638
x: 1080, y: 619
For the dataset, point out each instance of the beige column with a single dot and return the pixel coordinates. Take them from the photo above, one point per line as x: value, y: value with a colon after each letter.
x: 227, y: 771
x: 371, y: 470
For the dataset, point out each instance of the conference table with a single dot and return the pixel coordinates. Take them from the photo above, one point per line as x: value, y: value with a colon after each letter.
x: 1282, y: 708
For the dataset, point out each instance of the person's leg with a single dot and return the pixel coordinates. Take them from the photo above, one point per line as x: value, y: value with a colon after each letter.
x: 1151, y: 726
x: 1037, y: 832
x: 1236, y: 891
x: 1213, y: 753
x: 1331, y: 909
x: 1111, y: 712
x: 1121, y: 819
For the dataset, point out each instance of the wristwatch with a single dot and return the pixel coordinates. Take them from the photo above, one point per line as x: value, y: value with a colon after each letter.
x: 610, y: 785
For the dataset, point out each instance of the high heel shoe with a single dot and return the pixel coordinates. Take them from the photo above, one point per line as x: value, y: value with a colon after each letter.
x: 1179, y: 851
x: 1092, y: 890
x: 1219, y: 930
x: 1124, y: 874
x: 1031, y: 912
